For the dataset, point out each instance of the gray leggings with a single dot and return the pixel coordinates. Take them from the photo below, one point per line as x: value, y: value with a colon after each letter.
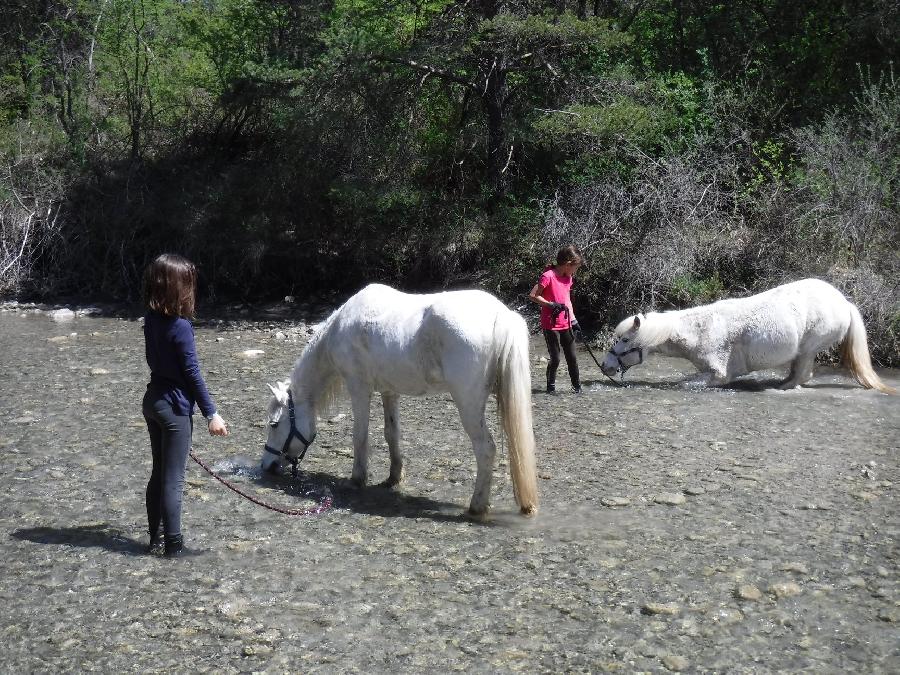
x: 170, y: 442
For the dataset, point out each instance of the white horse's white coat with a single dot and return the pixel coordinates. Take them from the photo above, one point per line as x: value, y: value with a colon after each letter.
x: 787, y: 325
x: 466, y: 343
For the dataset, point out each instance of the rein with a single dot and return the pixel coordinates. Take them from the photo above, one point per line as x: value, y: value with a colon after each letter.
x: 321, y: 507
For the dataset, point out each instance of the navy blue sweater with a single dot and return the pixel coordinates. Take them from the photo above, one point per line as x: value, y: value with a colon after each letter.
x: 174, y: 369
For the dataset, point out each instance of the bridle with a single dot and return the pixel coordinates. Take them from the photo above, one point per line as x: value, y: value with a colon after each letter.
x: 293, y: 433
x: 622, y: 366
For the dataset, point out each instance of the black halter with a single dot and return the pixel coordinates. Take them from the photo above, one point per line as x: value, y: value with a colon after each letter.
x: 622, y: 366
x: 292, y: 434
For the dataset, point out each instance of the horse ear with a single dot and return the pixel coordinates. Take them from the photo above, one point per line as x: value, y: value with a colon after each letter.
x: 637, y: 322
x: 280, y: 393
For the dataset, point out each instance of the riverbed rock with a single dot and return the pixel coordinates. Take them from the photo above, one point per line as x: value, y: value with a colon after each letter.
x: 62, y: 315
x: 785, y: 589
x: 670, y: 498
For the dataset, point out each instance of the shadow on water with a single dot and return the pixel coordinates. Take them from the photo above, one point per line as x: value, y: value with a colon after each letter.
x: 749, y: 384
x: 83, y: 536
x: 374, y: 500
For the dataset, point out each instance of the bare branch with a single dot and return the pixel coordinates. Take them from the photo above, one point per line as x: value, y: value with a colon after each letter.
x: 430, y: 70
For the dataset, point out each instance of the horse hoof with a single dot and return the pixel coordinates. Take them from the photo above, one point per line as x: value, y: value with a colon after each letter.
x: 479, y: 516
x: 389, y: 484
x: 529, y: 511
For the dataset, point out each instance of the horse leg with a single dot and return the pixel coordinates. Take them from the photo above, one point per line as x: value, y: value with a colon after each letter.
x: 392, y: 436
x: 801, y: 371
x: 472, y: 415
x: 717, y: 375
x: 361, y: 399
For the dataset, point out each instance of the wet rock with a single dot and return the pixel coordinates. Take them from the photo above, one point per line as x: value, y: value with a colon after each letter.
x: 889, y: 615
x: 61, y: 315
x: 748, y: 592
x: 655, y: 608
x: 24, y: 419
x: 785, y: 589
x: 675, y: 663
x: 615, y: 501
x: 670, y: 498
x: 251, y: 353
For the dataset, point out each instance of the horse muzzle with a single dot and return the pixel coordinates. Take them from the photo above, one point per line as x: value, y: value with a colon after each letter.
x: 609, y: 370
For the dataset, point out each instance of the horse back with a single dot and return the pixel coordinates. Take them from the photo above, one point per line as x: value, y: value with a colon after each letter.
x: 413, y: 343
x: 773, y: 327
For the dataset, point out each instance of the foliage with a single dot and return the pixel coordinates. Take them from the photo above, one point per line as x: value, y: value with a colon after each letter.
x: 694, y: 150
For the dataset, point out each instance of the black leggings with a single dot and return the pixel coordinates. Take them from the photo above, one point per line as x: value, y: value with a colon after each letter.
x: 170, y: 441
x: 554, y: 338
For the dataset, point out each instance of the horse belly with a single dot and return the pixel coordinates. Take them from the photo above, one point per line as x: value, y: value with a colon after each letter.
x: 769, y: 346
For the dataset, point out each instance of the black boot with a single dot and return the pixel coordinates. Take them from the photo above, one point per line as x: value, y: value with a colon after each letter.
x: 156, y: 544
x: 174, y: 545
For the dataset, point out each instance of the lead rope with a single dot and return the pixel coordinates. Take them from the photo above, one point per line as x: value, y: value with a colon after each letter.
x: 321, y: 507
x: 588, y: 347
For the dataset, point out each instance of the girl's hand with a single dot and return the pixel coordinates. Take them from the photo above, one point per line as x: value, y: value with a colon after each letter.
x: 217, y: 426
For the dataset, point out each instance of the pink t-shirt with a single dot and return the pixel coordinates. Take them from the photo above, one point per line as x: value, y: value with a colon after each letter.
x: 555, y: 287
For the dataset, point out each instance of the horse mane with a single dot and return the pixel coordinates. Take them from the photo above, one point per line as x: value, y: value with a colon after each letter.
x: 314, y: 377
x: 655, y: 328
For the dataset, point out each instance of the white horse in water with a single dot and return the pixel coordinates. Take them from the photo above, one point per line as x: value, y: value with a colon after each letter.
x: 788, y: 324
x: 466, y: 343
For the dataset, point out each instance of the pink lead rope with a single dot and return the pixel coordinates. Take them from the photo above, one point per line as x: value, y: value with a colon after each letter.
x: 321, y: 507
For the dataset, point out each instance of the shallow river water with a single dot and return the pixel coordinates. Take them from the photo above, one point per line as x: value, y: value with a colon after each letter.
x: 739, y: 530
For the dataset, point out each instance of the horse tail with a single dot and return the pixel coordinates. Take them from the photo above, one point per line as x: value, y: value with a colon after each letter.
x: 855, y: 354
x: 514, y: 402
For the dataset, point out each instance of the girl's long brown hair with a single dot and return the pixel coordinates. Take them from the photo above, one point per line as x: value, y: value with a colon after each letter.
x: 170, y: 284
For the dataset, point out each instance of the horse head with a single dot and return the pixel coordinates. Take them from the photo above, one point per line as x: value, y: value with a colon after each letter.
x: 287, y: 424
x: 627, y: 351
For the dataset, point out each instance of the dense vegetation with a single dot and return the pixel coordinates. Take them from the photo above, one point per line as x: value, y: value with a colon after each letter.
x: 692, y: 149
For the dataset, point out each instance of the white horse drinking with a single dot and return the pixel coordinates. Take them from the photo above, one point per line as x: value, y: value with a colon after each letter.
x: 466, y: 343
x: 788, y: 324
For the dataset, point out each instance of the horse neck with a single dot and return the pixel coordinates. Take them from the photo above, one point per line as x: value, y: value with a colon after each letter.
x: 313, y: 378
x: 659, y: 332
x: 676, y: 333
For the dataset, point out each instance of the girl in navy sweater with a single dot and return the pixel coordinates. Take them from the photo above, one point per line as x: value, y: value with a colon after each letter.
x: 176, y: 385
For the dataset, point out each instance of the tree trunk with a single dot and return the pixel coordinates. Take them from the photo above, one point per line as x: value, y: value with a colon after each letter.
x: 493, y: 101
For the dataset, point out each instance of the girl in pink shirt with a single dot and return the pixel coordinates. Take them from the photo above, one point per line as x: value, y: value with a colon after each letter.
x: 552, y: 293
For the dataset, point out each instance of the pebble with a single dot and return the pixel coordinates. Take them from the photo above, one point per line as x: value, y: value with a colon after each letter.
x: 748, y: 592
x: 670, y: 498
x: 785, y: 590
x: 654, y: 608
x: 252, y: 353
x: 615, y: 501
x: 26, y: 419
x: 64, y: 314
x: 675, y: 663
